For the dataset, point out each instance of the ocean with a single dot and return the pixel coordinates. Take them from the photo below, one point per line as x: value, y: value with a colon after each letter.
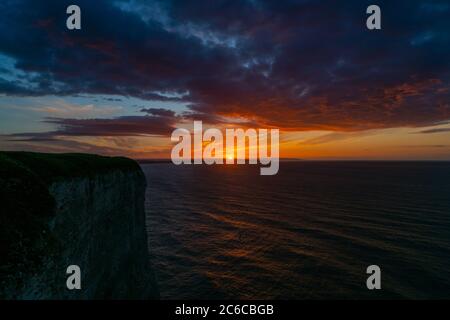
x: 309, y: 232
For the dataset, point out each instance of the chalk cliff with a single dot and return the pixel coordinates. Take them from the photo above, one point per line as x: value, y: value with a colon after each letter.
x: 73, y: 209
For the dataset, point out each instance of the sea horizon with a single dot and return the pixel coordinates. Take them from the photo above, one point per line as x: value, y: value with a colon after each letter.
x: 168, y: 160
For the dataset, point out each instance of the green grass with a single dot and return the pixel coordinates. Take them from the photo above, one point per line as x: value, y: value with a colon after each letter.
x: 52, y: 167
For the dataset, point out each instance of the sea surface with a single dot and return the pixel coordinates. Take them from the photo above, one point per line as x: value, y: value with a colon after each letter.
x: 308, y: 232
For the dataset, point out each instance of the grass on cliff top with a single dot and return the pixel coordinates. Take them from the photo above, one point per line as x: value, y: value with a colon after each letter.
x: 52, y: 167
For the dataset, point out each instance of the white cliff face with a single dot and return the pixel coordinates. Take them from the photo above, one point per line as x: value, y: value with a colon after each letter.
x: 98, y: 225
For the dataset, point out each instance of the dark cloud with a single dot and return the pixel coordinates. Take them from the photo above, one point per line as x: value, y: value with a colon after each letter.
x: 436, y: 130
x: 160, y: 112
x: 297, y: 65
x: 120, y: 126
x: 112, y: 99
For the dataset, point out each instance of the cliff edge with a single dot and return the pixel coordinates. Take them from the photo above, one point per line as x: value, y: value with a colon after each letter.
x: 73, y: 209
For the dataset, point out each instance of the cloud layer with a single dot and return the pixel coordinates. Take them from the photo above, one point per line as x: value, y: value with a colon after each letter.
x: 296, y: 65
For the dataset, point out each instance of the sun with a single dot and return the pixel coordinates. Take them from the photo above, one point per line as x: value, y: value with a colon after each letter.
x: 229, y: 155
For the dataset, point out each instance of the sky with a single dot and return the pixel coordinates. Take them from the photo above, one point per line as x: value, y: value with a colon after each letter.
x: 139, y: 69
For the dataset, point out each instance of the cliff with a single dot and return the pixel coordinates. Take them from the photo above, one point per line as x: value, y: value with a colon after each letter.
x: 73, y: 209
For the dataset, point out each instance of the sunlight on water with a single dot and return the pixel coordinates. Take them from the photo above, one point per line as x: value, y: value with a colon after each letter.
x: 308, y: 232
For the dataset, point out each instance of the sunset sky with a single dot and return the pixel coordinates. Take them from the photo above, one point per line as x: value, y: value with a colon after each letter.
x: 139, y: 69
